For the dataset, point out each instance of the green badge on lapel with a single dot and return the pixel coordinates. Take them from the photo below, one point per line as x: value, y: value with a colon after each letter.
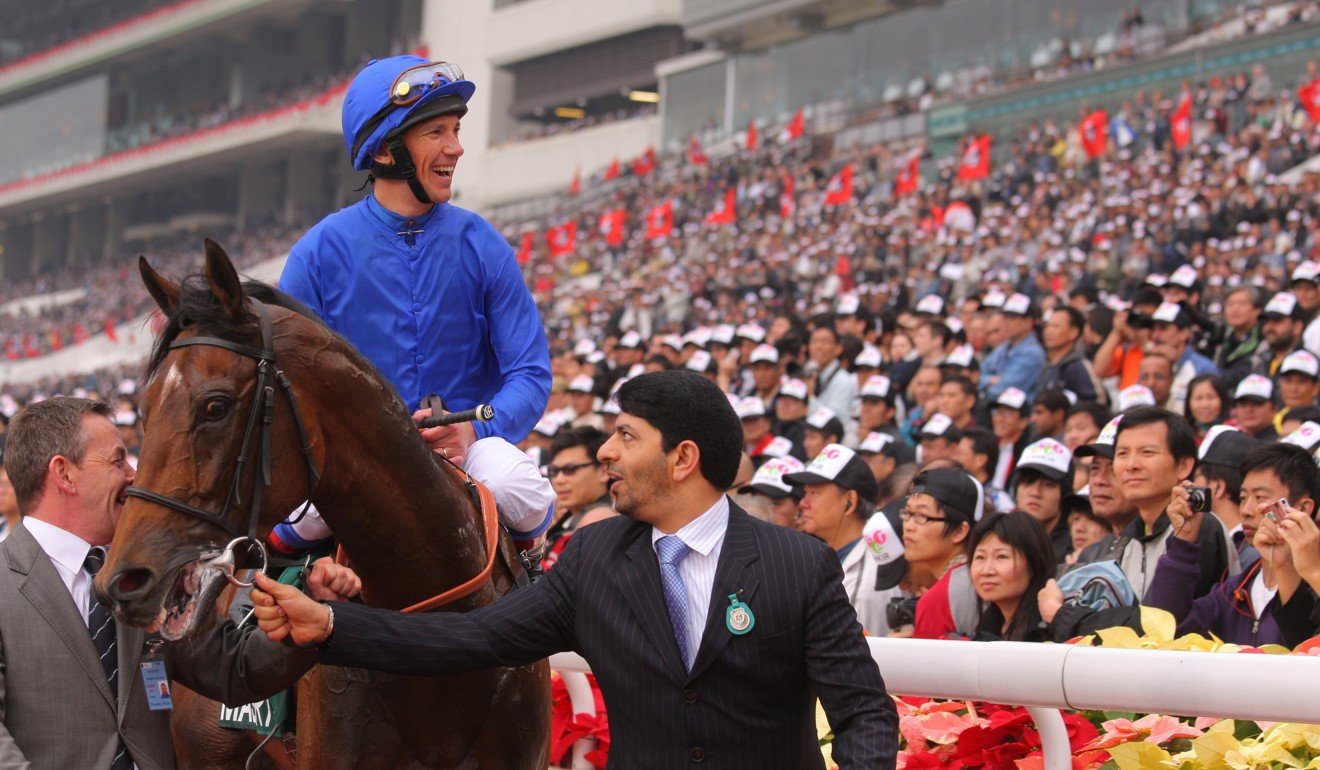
x: 738, y: 617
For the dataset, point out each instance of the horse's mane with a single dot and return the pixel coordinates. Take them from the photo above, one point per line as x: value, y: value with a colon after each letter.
x: 199, y: 310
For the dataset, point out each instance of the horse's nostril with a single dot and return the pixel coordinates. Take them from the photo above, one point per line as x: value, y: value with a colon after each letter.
x: 131, y: 580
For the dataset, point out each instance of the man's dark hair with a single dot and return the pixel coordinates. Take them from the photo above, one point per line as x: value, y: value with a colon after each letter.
x: 1230, y: 477
x: 1075, y: 318
x: 1054, y: 400
x: 1098, y: 411
x: 1147, y: 296
x: 1293, y: 466
x: 589, y: 438
x: 38, y: 433
x: 1257, y: 296
x: 964, y: 384
x: 939, y: 329
x: 983, y: 443
x: 684, y: 406
x: 852, y: 347
x: 1181, y: 440
x: 659, y: 360
x: 1304, y: 414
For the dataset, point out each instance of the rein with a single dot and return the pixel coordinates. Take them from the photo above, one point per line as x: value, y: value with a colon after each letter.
x: 261, y: 418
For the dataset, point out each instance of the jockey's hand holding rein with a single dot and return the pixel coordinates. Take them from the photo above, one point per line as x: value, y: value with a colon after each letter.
x: 452, y: 441
x: 286, y: 614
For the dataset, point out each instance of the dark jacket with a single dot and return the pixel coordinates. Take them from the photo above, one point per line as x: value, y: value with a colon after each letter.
x: 1225, y: 611
x: 1073, y: 373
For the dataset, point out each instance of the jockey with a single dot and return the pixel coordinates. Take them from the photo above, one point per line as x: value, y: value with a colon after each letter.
x: 430, y: 293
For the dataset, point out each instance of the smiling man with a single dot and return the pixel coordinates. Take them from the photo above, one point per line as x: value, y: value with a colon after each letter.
x: 429, y: 292
x: 711, y: 633
x: 72, y: 693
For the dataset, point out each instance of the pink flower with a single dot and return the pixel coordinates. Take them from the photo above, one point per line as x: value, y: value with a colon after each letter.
x: 1153, y: 728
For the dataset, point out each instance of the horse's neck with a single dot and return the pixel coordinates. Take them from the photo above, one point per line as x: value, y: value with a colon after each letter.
x: 407, y: 525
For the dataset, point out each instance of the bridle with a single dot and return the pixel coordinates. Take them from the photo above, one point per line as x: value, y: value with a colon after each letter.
x: 261, y: 417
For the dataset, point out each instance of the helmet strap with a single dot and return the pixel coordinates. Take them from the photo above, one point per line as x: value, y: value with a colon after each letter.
x: 402, y: 168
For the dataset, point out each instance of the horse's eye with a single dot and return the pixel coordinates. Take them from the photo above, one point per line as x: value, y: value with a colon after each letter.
x: 216, y: 409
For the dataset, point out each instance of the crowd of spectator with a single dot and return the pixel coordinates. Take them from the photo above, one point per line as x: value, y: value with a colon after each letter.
x: 31, y: 28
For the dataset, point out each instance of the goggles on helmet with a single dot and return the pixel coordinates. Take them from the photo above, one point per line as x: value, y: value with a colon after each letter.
x: 414, y: 83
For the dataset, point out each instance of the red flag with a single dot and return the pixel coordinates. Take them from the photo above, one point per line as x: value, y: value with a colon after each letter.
x: 796, y: 127
x: 696, y: 155
x: 645, y: 164
x: 751, y: 135
x: 726, y: 211
x: 975, y: 160
x: 29, y: 349
x: 79, y: 333
x: 110, y: 330
x: 11, y: 352
x: 525, y: 252
x: 906, y: 181
x: 787, y: 201
x: 575, y: 186
x: 611, y: 226
x: 613, y: 171
x: 660, y: 220
x: 562, y: 240
x: 1095, y: 133
x: 1180, y: 125
x: 840, y: 189
x: 1309, y: 95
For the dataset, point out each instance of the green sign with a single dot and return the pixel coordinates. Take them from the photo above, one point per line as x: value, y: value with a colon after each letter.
x: 263, y: 716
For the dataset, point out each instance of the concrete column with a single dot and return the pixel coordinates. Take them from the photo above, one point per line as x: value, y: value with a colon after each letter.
x: 86, y: 235
x: 309, y: 185
x: 113, y: 242
x: 259, y: 190
x: 457, y: 31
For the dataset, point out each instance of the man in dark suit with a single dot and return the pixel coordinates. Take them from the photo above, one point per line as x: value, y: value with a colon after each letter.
x: 71, y: 691
x: 711, y: 633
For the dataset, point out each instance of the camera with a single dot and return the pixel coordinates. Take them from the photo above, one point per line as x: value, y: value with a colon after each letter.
x: 901, y: 611
x: 1198, y: 499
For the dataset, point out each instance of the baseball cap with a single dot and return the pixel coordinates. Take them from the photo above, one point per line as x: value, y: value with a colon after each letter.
x: 962, y: 356
x: 879, y: 442
x: 672, y: 341
x: 993, y: 299
x: 1256, y: 387
x: 1018, y: 304
x: 764, y: 354
x: 1047, y: 457
x: 931, y: 304
x: 1308, y: 270
x: 1184, y: 277
x: 883, y: 537
x: 631, y: 339
x: 581, y: 384
x: 699, y: 336
x: 750, y: 407
x: 794, y: 388
x: 869, y: 358
x: 723, y: 334
x: 1225, y: 446
x: 848, y: 305
x: 1172, y: 313
x: 778, y: 447
x: 1135, y: 395
x: 956, y: 491
x: 583, y: 348
x: 826, y: 421
x: 700, y: 361
x: 769, y: 478
x: 837, y: 464
x: 940, y: 426
x: 1307, y: 436
x: 1283, y: 305
x: 1013, y: 398
x: 751, y: 332
x: 1103, y: 444
x: 876, y: 386
x: 1302, y: 362
x: 548, y: 426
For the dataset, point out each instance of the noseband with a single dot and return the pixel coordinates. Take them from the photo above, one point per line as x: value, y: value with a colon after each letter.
x: 263, y: 415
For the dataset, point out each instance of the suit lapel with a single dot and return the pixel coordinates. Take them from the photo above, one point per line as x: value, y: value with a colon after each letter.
x: 732, y: 576
x: 639, y: 579
x: 128, y: 643
x: 44, y: 589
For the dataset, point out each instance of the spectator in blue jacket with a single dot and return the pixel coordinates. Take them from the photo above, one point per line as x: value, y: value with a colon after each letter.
x: 1019, y: 359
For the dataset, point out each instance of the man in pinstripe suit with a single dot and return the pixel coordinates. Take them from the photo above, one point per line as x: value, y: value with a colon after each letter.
x: 711, y: 634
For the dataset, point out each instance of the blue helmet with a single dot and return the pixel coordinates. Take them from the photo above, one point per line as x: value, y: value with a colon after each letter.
x: 389, y: 95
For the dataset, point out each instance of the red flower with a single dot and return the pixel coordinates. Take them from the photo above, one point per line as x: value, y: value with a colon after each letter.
x: 1080, y: 730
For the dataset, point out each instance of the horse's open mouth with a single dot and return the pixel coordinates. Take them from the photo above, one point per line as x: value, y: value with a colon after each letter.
x: 195, y: 585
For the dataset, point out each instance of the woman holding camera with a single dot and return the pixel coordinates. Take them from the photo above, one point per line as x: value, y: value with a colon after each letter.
x: 1011, y: 560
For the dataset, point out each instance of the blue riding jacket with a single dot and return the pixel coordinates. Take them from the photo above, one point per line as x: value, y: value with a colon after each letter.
x: 448, y: 314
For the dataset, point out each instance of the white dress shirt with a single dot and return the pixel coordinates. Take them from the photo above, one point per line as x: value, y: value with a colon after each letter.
x: 67, y: 552
x: 705, y: 536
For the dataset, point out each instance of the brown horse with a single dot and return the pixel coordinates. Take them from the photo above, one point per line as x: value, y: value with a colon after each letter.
x: 408, y: 525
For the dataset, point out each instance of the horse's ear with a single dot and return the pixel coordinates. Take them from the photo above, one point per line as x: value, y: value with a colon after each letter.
x: 161, y: 289
x: 223, y: 279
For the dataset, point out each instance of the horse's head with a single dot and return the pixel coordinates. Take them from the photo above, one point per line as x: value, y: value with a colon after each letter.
x: 213, y: 401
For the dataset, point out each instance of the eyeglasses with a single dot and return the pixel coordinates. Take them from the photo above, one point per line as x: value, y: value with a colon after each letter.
x: 554, y: 470
x: 917, y: 518
x: 412, y: 84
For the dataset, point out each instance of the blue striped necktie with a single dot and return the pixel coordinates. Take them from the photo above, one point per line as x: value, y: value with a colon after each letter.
x: 101, y: 625
x: 672, y: 551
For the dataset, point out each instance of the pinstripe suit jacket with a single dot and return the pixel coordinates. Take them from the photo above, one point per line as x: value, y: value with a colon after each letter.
x: 749, y: 700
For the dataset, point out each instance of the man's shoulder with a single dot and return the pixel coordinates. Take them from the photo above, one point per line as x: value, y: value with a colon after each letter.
x: 331, y: 228
x: 787, y: 545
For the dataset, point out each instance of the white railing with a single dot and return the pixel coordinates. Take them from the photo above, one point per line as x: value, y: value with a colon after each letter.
x: 1049, y: 677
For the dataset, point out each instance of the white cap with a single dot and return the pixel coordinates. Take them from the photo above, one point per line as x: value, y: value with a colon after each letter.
x: 778, y: 447
x: 584, y: 348
x: 1184, y: 276
x: 1307, y: 436
x: 672, y: 340
x: 963, y: 356
x: 820, y: 418
x: 938, y: 425
x: 723, y: 334
x: 1283, y: 303
x: 1158, y: 280
x: 126, y: 417
x: 1308, y: 270
x: 1012, y: 397
x: 954, y: 323
x: 932, y: 304
x: 699, y: 361
x: 766, y: 353
x: 870, y: 358
x: 794, y: 388
x: 1167, y: 312
x: 636, y: 370
x: 882, y: 542
x: 875, y: 441
x: 876, y: 386
x: 771, y: 473
x: 749, y: 407
x: 548, y: 425
x: 699, y: 336
x: 848, y: 304
x: 1047, y: 455
x: 1303, y: 361
x: 1255, y: 386
x: 751, y: 331
x: 1017, y: 304
x: 581, y: 384
x: 630, y: 339
x: 1135, y: 395
x: 993, y: 298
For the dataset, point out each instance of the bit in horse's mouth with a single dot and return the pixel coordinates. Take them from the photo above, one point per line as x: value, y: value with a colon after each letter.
x: 195, y: 585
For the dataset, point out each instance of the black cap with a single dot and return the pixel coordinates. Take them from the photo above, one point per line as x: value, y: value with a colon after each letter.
x: 1103, y: 445
x: 1226, y: 447
x: 956, y: 491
